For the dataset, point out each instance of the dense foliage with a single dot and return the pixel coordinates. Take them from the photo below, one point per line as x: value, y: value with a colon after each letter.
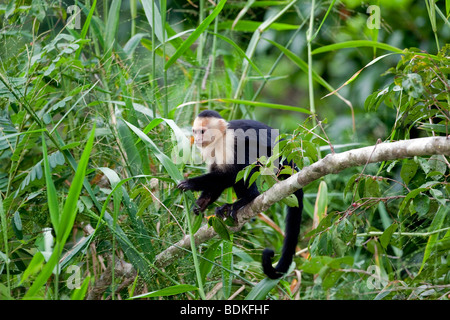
x: 94, y: 109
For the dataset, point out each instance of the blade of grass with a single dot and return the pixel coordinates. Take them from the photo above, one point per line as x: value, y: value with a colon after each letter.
x: 252, y: 26
x: 242, y: 13
x: 66, y: 221
x: 356, y: 44
x: 5, y: 241
x: 112, y: 25
x: 45, y: 273
x: 304, y: 67
x: 131, y: 251
x: 352, y: 78
x: 169, y: 291
x: 167, y: 163
x: 263, y: 104
x: 80, y: 293
x: 175, y: 174
x: 52, y: 196
x: 323, y: 20
x: 436, y: 224
x: 239, y: 50
x: 153, y: 15
x: 194, y: 36
x: 309, y: 39
x: 70, y: 206
x: 251, y: 50
x: 227, y: 262
x: 86, y: 28
x: 260, y: 291
x: 12, y: 135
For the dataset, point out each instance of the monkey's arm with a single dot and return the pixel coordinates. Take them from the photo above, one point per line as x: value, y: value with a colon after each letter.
x: 211, y: 184
x: 209, y: 181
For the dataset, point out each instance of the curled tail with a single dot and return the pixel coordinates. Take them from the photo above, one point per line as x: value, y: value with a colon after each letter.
x: 293, y: 221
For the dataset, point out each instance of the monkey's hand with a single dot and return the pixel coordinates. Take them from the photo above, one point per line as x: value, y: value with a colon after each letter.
x: 185, y: 185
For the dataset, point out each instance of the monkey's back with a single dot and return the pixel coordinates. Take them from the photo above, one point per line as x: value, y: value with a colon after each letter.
x: 252, y: 140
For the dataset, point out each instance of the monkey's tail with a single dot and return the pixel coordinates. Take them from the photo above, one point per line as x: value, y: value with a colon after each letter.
x: 293, y: 221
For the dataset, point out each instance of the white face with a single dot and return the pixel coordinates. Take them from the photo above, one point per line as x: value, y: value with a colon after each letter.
x: 208, y: 130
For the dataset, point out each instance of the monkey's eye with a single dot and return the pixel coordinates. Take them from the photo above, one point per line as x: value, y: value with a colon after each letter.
x: 202, y: 131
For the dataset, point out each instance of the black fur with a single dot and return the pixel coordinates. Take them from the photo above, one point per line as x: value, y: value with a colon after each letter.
x: 209, y: 114
x: 221, y: 177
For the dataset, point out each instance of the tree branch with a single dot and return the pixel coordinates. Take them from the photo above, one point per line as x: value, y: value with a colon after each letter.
x: 332, y: 163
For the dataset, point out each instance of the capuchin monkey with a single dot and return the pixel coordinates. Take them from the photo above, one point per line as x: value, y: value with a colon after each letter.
x: 229, y: 147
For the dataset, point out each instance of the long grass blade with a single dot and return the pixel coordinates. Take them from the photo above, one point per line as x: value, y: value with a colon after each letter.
x: 264, y: 105
x: 70, y: 206
x: 153, y: 16
x: 194, y: 36
x: 356, y: 44
x: 52, y: 196
x: 85, y: 29
x: 167, y: 163
x: 5, y: 241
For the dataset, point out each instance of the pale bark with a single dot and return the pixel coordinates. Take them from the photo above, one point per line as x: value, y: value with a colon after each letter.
x: 332, y: 163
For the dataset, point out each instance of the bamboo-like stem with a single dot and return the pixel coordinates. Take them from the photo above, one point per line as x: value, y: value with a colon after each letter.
x: 409, y: 234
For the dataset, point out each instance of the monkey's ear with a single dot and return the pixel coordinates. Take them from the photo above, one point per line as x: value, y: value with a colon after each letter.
x: 222, y: 124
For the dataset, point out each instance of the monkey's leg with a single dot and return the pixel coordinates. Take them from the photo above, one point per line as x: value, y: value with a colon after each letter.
x: 245, y: 194
x: 205, y: 199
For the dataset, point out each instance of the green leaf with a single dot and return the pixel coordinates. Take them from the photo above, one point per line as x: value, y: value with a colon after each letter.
x: 46, y: 272
x: 330, y: 279
x: 66, y: 220
x: 320, y: 209
x: 421, y: 204
x: 70, y: 206
x: 86, y: 28
x: 252, y: 26
x: 371, y: 188
x: 387, y: 235
x: 33, y: 267
x: 262, y: 289
x: 314, y: 265
x: 356, y: 44
x: 158, y: 27
x: 254, y: 177
x: 301, y: 64
x: 210, y: 254
x: 439, y: 196
x: 436, y: 224
x: 80, y: 293
x: 169, y: 291
x: 240, y: 51
x: 191, y: 39
x: 408, y: 171
x: 52, y: 196
x: 220, y: 227
x: 227, y: 263
x: 264, y: 105
x: 437, y: 164
x: 168, y: 164
x: 112, y: 24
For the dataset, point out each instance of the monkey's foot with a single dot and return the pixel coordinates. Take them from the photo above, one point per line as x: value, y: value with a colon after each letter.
x: 226, y: 211
x: 201, y: 204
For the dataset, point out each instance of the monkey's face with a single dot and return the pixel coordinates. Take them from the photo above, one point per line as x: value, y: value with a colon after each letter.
x: 207, y: 131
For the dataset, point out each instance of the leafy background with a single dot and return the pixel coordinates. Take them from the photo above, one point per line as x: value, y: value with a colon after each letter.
x: 92, y: 116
